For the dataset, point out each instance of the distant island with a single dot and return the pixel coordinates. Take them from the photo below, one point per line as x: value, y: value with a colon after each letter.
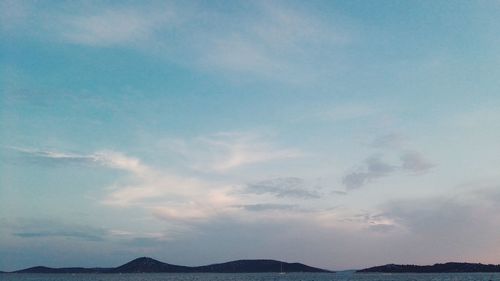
x: 449, y: 267
x: 149, y: 265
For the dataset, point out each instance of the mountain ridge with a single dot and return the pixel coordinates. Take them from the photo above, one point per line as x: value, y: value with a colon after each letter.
x: 150, y: 265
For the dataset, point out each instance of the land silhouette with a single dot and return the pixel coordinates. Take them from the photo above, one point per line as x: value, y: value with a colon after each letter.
x: 150, y: 265
x: 448, y: 267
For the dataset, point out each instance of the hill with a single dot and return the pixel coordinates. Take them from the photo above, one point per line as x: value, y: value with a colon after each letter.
x: 145, y: 264
x: 257, y: 266
x: 449, y: 267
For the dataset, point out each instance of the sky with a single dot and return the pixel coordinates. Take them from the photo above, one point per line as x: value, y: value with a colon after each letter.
x: 340, y: 134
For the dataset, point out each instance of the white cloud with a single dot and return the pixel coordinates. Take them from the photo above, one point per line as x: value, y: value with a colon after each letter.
x: 174, y: 197
x: 281, y: 43
x: 267, y: 40
x: 291, y: 187
x: 157, y: 188
x: 223, y: 152
x: 121, y: 161
x: 109, y: 159
x: 205, y: 207
x: 183, y: 203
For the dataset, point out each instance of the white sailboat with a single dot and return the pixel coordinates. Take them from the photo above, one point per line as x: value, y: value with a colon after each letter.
x: 281, y: 268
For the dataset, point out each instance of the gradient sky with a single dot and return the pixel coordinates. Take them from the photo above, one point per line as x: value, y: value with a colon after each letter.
x: 340, y: 134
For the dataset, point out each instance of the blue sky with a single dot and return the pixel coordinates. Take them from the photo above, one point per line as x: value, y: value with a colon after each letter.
x: 341, y: 134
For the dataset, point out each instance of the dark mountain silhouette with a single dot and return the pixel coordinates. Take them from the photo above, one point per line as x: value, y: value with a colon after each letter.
x: 149, y: 265
x: 449, y: 267
x: 257, y: 266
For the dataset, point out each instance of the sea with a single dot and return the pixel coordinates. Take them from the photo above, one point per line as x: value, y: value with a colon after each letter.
x: 340, y: 276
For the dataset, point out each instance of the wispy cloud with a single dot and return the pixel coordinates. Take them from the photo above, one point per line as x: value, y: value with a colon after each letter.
x: 172, y: 197
x: 282, y: 187
x: 374, y: 167
x: 61, y: 233
x: 184, y: 202
x: 223, y: 152
x: 116, y: 26
x: 148, y: 183
x: 280, y: 44
x: 109, y: 159
x: 268, y: 206
x: 164, y: 195
x: 36, y: 228
x: 415, y: 162
x: 390, y: 141
x: 267, y: 40
x: 202, y: 206
x: 56, y: 156
x: 157, y: 188
x: 377, y: 222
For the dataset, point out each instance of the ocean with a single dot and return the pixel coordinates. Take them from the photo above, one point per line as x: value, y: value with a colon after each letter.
x: 342, y: 276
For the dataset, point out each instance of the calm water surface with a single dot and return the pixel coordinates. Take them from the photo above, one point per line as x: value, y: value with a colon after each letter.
x: 254, y: 277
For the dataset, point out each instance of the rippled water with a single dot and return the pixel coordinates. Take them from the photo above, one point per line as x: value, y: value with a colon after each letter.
x: 254, y: 277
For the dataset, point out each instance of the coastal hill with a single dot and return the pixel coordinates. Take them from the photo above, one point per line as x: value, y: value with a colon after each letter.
x: 449, y: 267
x: 149, y: 265
x: 258, y: 266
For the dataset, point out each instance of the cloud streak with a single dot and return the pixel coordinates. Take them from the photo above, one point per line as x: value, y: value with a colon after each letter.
x: 226, y: 151
x: 268, y: 207
x: 110, y: 159
x: 389, y: 141
x: 291, y: 187
x: 36, y: 228
x: 115, y: 26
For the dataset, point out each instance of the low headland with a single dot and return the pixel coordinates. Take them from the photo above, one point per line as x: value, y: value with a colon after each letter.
x: 449, y: 267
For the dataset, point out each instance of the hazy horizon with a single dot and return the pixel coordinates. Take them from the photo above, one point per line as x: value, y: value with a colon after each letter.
x: 338, y: 134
